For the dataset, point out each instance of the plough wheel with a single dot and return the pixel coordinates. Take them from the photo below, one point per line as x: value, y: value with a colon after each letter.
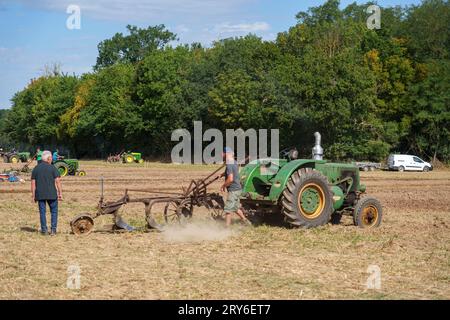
x: 82, y: 224
x: 178, y: 211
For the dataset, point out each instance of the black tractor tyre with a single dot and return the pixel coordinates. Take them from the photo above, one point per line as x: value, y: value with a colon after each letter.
x: 367, y: 213
x: 298, y: 205
x: 63, y: 168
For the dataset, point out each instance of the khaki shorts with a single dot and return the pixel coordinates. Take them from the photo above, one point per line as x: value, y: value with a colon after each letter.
x: 233, y: 202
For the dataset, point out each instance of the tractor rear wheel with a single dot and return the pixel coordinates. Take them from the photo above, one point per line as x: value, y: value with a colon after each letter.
x: 367, y: 213
x: 129, y: 158
x: 14, y: 159
x: 63, y: 168
x: 307, y: 200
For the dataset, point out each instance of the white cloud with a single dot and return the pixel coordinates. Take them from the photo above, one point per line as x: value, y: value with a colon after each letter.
x: 182, y: 29
x: 202, y: 21
x: 242, y: 27
x: 141, y: 10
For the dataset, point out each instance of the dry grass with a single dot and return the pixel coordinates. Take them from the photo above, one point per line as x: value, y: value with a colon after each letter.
x: 206, y: 262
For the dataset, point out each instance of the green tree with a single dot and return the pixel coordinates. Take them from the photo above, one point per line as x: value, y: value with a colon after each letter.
x: 34, y: 116
x: 99, y: 121
x: 427, y: 29
x: 4, y: 141
x: 160, y: 79
x: 429, y: 116
x: 132, y: 48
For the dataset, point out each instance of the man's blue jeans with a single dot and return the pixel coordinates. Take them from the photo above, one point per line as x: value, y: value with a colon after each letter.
x: 53, y: 204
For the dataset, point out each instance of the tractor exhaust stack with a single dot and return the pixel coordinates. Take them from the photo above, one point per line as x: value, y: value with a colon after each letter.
x: 317, y: 151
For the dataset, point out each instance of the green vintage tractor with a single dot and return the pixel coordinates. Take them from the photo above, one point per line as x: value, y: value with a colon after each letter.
x: 132, y: 157
x: 308, y: 192
x: 68, y: 167
x: 16, y: 157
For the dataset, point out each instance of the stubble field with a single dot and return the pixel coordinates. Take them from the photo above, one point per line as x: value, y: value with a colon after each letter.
x: 206, y: 261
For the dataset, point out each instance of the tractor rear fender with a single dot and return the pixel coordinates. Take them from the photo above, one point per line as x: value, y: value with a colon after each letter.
x: 256, y: 177
x: 283, y: 175
x: 247, y: 174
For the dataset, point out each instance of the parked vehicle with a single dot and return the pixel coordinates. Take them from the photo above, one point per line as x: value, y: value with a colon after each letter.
x: 368, y: 166
x: 405, y: 162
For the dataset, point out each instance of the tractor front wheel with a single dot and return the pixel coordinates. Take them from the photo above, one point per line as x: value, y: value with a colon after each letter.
x: 367, y: 213
x: 307, y: 200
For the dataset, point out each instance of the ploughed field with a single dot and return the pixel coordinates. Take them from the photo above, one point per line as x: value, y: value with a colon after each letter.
x: 206, y: 261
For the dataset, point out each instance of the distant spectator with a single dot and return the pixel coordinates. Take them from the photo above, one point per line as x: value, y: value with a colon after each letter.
x: 39, y: 155
x: 55, y: 156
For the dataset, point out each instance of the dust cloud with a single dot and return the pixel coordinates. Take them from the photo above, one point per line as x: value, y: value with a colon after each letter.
x: 197, y: 231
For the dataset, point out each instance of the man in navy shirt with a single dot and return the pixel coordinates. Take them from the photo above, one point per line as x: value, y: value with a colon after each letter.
x: 46, y: 189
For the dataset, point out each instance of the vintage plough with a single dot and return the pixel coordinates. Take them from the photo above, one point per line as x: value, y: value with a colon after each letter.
x: 178, y: 206
x: 115, y: 157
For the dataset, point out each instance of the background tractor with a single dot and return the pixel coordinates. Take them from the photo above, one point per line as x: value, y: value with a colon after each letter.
x: 132, y: 157
x: 15, y: 157
x: 308, y: 192
x: 68, y: 167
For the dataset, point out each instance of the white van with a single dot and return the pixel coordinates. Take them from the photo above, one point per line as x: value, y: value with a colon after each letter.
x: 402, y: 162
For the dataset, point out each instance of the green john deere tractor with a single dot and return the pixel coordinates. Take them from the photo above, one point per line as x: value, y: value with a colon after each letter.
x: 16, y: 157
x: 132, y: 157
x: 308, y: 192
x: 68, y: 167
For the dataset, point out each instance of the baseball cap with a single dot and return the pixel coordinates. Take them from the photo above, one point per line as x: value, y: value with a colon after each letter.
x: 227, y: 150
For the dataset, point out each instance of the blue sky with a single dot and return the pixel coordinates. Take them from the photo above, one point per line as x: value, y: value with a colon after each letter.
x: 34, y: 33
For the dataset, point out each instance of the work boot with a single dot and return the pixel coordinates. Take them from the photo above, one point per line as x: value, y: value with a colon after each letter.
x: 53, y: 233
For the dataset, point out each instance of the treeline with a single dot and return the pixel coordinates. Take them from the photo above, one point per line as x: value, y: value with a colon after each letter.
x: 369, y: 92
